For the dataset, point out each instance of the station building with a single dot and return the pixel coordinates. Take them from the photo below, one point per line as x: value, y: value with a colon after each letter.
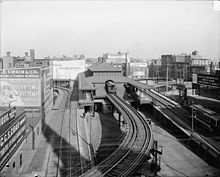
x: 92, y: 94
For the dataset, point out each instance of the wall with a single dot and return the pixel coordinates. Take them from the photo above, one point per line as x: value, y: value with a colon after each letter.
x: 67, y: 69
x: 27, y: 154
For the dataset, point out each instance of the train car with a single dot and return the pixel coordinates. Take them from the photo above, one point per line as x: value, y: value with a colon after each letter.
x: 130, y: 89
x: 110, y: 87
x: 206, y: 116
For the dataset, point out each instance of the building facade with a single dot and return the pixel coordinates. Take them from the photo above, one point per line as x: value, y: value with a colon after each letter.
x: 120, y: 60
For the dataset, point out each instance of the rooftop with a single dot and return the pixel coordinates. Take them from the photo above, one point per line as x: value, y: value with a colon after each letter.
x: 84, y: 83
x: 117, y: 79
x: 103, y: 67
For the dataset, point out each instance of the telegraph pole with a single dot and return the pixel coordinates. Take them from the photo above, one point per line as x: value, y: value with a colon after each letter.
x: 0, y: 28
x: 167, y: 78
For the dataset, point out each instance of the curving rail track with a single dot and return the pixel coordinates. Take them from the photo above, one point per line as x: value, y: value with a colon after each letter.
x: 132, y: 151
x: 55, y: 138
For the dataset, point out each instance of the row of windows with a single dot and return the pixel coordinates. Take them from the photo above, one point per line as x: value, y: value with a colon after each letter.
x: 107, y: 74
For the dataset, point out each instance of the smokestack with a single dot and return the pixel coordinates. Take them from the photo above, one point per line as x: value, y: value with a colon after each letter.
x: 32, y: 54
x: 8, y: 54
x: 26, y: 54
x: 103, y: 60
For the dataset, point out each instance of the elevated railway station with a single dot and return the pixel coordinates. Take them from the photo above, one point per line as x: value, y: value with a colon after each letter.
x: 182, y: 118
x: 71, y: 132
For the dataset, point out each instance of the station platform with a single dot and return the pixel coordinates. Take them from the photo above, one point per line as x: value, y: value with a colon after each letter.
x: 79, y: 140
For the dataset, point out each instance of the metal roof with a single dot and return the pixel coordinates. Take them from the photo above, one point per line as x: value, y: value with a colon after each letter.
x: 103, y: 67
x: 84, y: 83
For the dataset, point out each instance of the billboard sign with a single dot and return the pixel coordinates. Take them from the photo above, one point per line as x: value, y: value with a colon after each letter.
x: 20, y: 73
x: 208, y: 80
x: 20, y: 92
x: 194, y: 78
x: 11, y: 140
x: 7, y: 116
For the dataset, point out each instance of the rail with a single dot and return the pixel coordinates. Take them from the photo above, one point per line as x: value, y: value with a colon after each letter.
x: 182, y: 116
x: 56, y: 141
x: 133, y: 149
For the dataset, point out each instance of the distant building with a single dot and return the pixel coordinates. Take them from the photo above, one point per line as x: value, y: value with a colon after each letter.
x: 119, y: 60
x: 181, y: 67
x: 154, y: 68
x: 167, y: 64
x: 1, y: 63
x: 198, y: 64
x: 138, y: 69
x: 19, y: 62
x: 9, y: 61
x: 32, y: 54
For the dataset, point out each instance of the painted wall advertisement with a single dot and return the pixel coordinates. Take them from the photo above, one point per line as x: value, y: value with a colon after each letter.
x: 11, y: 140
x: 20, y: 92
x: 20, y: 87
x: 7, y: 116
x: 20, y: 73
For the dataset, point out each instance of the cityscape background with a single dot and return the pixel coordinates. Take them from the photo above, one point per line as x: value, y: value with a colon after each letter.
x: 146, y: 29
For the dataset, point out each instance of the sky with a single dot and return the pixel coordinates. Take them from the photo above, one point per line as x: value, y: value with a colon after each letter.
x: 146, y: 29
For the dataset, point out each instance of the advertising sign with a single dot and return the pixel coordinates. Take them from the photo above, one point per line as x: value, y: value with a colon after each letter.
x: 7, y: 116
x: 194, y: 78
x: 20, y: 73
x: 46, y: 83
x: 20, y: 92
x: 208, y: 80
x: 11, y: 140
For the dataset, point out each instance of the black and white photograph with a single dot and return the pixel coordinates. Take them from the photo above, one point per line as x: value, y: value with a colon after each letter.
x: 109, y: 88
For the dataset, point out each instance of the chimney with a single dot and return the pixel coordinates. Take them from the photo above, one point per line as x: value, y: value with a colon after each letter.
x: 26, y: 54
x: 8, y: 54
x: 32, y: 54
x: 103, y: 60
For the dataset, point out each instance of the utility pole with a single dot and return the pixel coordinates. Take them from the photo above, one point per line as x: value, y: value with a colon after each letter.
x: 0, y: 28
x: 167, y: 78
x: 192, y: 118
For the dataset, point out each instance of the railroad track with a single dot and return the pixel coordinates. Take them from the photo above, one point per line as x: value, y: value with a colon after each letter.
x: 55, y: 137
x: 133, y: 149
x: 182, y: 116
x: 175, y: 110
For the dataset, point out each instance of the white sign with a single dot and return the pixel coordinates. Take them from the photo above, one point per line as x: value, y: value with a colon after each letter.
x: 194, y: 78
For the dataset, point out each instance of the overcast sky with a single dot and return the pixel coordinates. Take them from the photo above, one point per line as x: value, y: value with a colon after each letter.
x: 145, y: 29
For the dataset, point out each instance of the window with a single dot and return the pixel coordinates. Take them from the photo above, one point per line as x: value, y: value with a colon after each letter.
x: 38, y: 131
x: 20, y: 159
x: 13, y: 165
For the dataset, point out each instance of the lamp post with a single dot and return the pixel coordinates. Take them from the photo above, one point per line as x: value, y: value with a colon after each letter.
x: 33, y: 135
x: 193, y: 112
x: 167, y: 80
